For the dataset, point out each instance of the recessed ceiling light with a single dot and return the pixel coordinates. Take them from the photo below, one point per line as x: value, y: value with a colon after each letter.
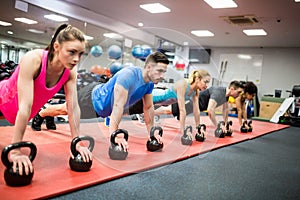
x: 10, y: 32
x: 87, y: 37
x: 244, y: 56
x: 140, y: 24
x: 56, y: 18
x: 2, y: 23
x: 255, y: 32
x: 202, y: 33
x: 35, y: 31
x: 112, y: 35
x: 25, y: 20
x: 155, y: 8
x: 221, y: 3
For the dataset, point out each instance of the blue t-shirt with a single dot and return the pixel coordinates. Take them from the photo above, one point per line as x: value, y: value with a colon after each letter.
x: 131, y: 78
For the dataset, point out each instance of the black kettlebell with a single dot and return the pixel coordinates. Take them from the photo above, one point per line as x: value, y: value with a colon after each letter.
x: 243, y: 127
x: 117, y: 152
x: 200, y: 137
x: 152, y: 143
x: 228, y: 131
x: 77, y: 164
x: 219, y: 132
x: 186, y: 139
x: 250, y: 126
x: 14, y: 179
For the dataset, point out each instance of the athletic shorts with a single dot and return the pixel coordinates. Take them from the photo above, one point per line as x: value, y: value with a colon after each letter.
x: 85, y: 101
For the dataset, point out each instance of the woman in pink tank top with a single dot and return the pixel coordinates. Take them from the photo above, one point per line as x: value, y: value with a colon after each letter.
x: 41, y: 74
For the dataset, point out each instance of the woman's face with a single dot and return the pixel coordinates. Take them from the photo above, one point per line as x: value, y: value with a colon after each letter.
x: 70, y: 52
x: 249, y: 96
x: 203, y: 83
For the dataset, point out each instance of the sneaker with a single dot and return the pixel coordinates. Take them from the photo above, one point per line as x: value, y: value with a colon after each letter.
x: 140, y: 118
x: 50, y: 124
x: 37, y: 122
x: 134, y: 117
x: 156, y: 118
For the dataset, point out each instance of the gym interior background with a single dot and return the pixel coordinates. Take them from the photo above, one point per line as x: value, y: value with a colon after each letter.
x: 272, y: 61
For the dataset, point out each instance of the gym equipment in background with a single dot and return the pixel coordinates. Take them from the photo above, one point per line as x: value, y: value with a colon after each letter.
x: 114, y: 52
x: 96, y: 51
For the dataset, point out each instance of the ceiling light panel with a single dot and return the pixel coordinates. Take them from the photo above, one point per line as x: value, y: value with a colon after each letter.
x: 56, y: 18
x: 2, y: 23
x: 216, y: 4
x: 202, y: 33
x: 26, y: 20
x: 255, y: 32
x: 155, y: 8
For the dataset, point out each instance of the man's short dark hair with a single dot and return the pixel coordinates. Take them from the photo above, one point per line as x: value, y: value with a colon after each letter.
x: 157, y: 57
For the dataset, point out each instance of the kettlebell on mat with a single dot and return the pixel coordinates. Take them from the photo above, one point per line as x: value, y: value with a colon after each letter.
x: 243, y: 127
x: 228, y: 131
x: 117, y: 152
x: 250, y: 126
x: 219, y: 131
x: 186, y: 139
x: 200, y: 137
x: 152, y: 143
x: 14, y: 179
x: 77, y: 164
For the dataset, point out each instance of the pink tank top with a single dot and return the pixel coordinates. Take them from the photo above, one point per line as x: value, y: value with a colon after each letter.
x: 9, y: 92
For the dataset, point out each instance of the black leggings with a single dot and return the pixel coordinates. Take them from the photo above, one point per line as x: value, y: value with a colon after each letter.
x: 188, y: 109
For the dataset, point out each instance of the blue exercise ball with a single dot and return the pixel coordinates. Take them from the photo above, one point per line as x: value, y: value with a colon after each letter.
x: 115, y: 67
x: 147, y: 50
x: 96, y: 51
x: 114, y: 52
x: 137, y: 51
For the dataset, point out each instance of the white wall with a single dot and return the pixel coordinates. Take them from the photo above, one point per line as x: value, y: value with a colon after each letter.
x: 280, y: 70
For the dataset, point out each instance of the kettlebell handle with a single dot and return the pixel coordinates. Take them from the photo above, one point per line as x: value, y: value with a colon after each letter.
x: 117, y: 132
x: 153, y: 129
x: 200, y: 126
x: 80, y: 138
x: 7, y: 149
x: 188, y: 128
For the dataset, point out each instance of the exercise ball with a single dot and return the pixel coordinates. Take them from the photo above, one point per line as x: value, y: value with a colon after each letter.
x: 114, y: 52
x: 96, y: 51
x: 99, y: 70
x: 147, y: 50
x: 115, y: 67
x: 137, y: 51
